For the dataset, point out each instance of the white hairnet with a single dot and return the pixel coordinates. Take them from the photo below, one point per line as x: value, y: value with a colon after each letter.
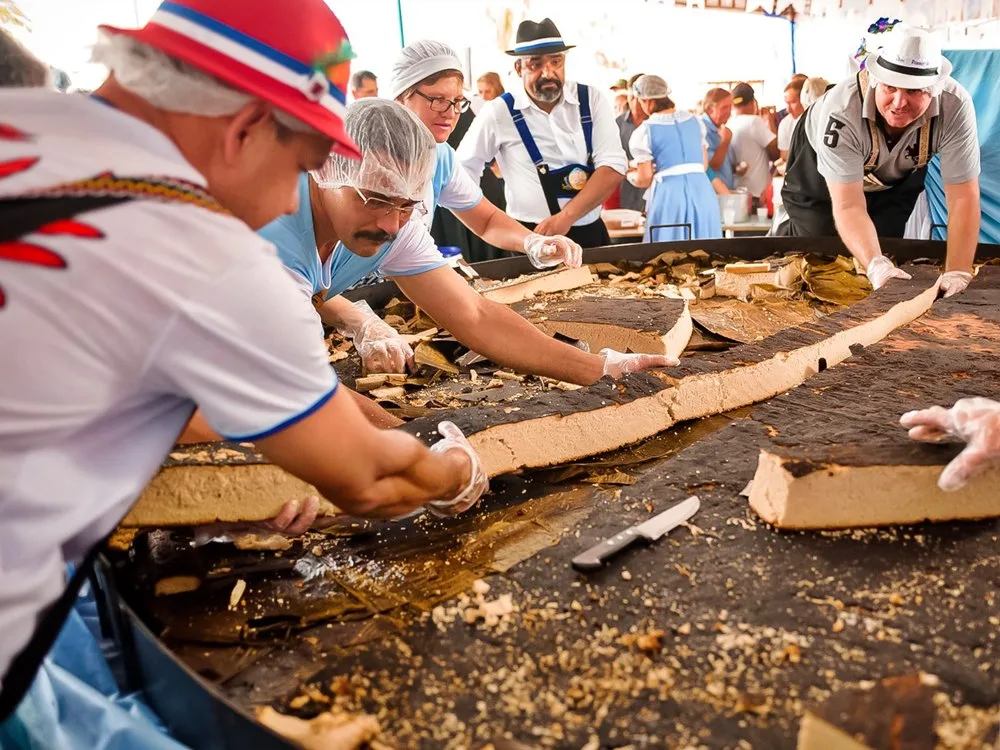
x: 650, y: 87
x: 171, y: 84
x: 398, y: 154
x: 421, y: 60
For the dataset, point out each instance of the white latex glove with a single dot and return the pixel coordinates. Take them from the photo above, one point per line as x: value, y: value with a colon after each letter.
x: 479, y: 484
x: 954, y: 282
x: 974, y: 420
x: 381, y: 347
x: 617, y: 364
x: 881, y: 269
x: 545, y: 252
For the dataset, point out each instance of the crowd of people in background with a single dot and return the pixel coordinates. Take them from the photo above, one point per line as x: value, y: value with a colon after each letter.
x: 680, y: 162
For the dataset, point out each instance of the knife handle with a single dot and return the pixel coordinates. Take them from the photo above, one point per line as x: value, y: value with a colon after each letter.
x: 594, y: 557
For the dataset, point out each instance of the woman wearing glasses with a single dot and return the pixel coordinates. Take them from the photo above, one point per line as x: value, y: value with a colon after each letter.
x: 427, y: 79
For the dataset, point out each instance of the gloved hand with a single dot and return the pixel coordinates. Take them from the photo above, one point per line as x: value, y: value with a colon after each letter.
x: 974, y: 420
x: 381, y: 347
x: 881, y: 269
x: 954, y: 282
x: 479, y: 483
x: 617, y: 364
x: 545, y: 252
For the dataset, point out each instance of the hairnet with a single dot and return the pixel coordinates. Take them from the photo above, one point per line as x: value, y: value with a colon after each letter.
x: 420, y: 60
x: 650, y: 87
x: 398, y: 153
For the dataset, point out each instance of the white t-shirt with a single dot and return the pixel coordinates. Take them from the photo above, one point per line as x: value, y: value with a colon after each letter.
x: 751, y: 137
x: 785, y: 129
x: 140, y: 311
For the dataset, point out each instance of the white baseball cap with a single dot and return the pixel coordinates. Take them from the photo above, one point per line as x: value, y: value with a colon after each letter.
x: 910, y: 59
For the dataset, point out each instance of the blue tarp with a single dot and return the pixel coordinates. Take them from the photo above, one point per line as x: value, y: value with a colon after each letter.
x: 75, y: 703
x: 977, y: 71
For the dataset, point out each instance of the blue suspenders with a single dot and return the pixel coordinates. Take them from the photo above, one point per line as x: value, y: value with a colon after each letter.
x: 586, y: 120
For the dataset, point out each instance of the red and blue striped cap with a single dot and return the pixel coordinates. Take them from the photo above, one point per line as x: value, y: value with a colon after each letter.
x: 294, y: 54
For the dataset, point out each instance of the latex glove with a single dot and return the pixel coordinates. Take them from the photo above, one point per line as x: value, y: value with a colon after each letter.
x: 545, y: 252
x: 881, y: 269
x: 479, y: 484
x: 617, y: 364
x: 954, y: 282
x: 381, y: 347
x: 974, y: 420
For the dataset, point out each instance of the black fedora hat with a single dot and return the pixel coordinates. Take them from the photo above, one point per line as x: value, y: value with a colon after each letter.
x: 541, y: 38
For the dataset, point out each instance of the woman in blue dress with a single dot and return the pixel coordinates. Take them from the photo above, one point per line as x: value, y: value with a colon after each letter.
x: 669, y: 150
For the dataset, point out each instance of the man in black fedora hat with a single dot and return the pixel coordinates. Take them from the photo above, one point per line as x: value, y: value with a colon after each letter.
x: 858, y: 158
x: 557, y: 142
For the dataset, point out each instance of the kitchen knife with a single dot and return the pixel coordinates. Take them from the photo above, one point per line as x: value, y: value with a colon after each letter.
x: 650, y: 530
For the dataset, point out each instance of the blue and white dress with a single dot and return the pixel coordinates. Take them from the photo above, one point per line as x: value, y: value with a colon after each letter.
x: 681, y: 192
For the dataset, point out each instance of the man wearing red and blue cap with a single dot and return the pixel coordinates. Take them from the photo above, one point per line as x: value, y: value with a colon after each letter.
x: 133, y: 288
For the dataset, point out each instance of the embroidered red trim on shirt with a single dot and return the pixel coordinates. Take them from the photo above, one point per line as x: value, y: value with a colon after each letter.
x: 26, y: 252
x: 10, y: 133
x: 107, y: 184
x: 16, y: 166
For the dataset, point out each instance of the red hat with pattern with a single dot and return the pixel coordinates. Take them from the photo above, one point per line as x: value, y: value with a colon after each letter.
x: 293, y: 54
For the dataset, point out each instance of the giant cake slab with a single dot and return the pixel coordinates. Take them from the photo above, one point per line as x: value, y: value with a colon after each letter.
x: 838, y: 458
x: 651, y: 326
x: 565, y: 426
x: 209, y: 482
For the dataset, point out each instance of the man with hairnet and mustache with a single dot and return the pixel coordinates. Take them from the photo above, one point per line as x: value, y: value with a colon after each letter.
x: 358, y: 217
x: 557, y: 142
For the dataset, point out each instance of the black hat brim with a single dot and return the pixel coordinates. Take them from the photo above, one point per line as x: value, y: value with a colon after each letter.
x: 542, y: 50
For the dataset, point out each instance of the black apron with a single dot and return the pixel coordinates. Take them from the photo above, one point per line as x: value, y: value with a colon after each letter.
x: 806, y: 197
x: 53, y: 209
x: 568, y: 181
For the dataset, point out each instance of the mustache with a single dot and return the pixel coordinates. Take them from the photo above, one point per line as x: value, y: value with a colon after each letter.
x: 380, y: 237
x: 548, y: 81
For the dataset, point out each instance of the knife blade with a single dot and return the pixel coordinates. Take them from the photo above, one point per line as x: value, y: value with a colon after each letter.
x: 650, y: 530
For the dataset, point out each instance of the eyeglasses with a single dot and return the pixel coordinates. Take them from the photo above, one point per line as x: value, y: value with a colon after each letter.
x: 440, y: 104
x: 534, y: 64
x: 381, y: 207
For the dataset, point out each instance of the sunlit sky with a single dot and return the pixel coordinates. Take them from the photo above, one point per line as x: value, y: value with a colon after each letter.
x: 689, y: 47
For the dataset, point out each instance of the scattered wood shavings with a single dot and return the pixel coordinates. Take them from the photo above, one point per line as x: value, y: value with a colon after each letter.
x: 239, y: 588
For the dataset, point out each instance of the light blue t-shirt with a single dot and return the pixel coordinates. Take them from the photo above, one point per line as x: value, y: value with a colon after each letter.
x: 451, y: 186
x: 412, y: 252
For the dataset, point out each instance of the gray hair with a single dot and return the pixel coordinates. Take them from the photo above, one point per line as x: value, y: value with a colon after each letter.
x: 20, y: 68
x: 173, y: 85
x: 358, y: 79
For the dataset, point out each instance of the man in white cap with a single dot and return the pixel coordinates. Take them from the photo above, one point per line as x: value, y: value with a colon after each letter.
x: 856, y: 167
x: 556, y: 141
x: 132, y: 288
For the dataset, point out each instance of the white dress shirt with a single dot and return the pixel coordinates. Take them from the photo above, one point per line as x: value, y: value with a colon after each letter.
x: 559, y: 137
